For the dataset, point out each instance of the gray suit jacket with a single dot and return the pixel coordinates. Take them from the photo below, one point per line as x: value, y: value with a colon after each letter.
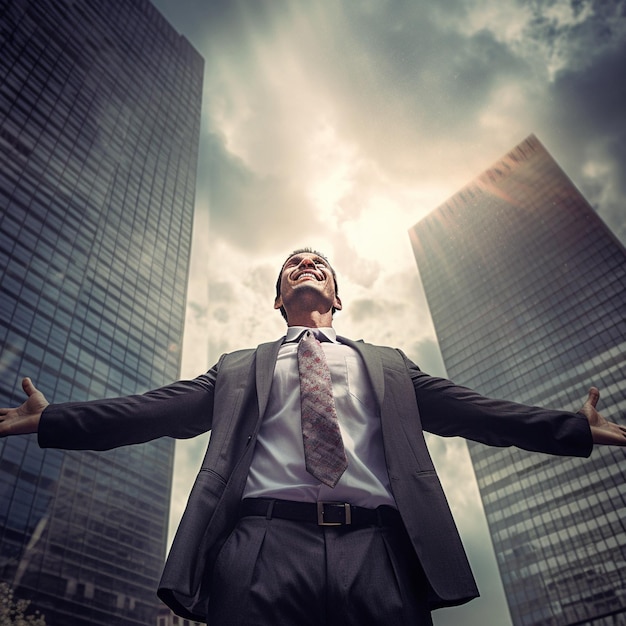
x: 230, y: 400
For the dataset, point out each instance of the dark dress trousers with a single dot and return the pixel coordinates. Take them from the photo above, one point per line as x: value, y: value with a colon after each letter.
x: 230, y: 400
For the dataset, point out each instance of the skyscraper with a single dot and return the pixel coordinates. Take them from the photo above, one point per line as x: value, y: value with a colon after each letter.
x: 99, y: 128
x: 527, y: 290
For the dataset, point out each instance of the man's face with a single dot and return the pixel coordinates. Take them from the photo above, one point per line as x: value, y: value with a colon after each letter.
x: 307, y: 275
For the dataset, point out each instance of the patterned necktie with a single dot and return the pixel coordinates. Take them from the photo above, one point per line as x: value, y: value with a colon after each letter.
x: 324, y: 454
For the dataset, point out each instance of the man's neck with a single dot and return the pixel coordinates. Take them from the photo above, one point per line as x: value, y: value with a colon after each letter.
x: 311, y: 319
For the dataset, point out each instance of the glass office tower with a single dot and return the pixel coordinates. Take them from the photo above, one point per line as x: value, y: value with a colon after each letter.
x: 527, y: 289
x: 99, y: 128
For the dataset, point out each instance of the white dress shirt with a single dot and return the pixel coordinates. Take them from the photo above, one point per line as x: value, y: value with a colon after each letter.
x: 278, y: 469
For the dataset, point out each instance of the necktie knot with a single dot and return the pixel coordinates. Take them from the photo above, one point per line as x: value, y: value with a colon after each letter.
x: 313, y: 333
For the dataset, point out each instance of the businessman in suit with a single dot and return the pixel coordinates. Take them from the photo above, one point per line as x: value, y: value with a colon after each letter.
x: 263, y: 540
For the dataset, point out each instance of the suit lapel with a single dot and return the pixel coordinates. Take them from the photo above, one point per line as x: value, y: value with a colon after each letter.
x: 373, y: 365
x: 266, y: 356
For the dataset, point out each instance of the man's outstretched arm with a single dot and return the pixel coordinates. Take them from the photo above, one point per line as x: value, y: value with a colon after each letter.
x: 182, y: 409
x: 602, y: 431
x: 449, y: 410
x: 25, y: 418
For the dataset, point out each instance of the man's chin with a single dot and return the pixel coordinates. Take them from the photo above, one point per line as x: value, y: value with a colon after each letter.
x: 309, y: 292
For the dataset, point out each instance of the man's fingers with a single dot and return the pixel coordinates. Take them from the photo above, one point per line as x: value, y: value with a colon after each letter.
x: 28, y: 387
x: 593, y: 397
x: 609, y: 434
x: 29, y: 390
x: 25, y: 418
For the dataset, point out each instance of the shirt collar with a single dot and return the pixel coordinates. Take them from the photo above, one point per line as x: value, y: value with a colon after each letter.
x: 294, y: 332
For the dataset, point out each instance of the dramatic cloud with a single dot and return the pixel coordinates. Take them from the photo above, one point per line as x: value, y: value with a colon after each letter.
x: 339, y: 124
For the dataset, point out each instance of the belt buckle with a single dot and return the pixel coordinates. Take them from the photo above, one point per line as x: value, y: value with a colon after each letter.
x: 347, y: 514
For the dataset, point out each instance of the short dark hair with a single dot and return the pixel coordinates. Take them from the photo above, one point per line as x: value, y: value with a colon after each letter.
x: 300, y: 251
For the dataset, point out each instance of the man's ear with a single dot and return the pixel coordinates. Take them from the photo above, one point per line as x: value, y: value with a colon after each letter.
x: 338, y: 306
x: 278, y: 302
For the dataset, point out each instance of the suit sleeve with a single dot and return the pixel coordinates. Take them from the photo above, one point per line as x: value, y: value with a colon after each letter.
x: 450, y: 410
x: 182, y: 410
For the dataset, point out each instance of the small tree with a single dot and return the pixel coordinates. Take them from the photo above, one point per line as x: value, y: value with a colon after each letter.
x: 12, y: 612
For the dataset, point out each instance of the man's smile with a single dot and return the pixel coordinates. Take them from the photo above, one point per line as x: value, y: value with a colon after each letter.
x: 308, y: 275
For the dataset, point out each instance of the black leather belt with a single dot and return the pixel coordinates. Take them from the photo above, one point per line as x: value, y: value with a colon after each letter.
x: 320, y: 513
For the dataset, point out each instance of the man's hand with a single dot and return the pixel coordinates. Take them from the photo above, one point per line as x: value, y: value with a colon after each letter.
x: 602, y: 431
x: 24, y: 419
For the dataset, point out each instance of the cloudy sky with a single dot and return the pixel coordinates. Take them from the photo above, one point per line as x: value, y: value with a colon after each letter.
x: 339, y: 124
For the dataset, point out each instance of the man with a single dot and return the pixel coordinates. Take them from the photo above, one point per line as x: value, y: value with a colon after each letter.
x: 253, y: 546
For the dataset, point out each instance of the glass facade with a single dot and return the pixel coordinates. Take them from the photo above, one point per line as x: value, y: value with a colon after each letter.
x: 527, y: 289
x: 99, y: 127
